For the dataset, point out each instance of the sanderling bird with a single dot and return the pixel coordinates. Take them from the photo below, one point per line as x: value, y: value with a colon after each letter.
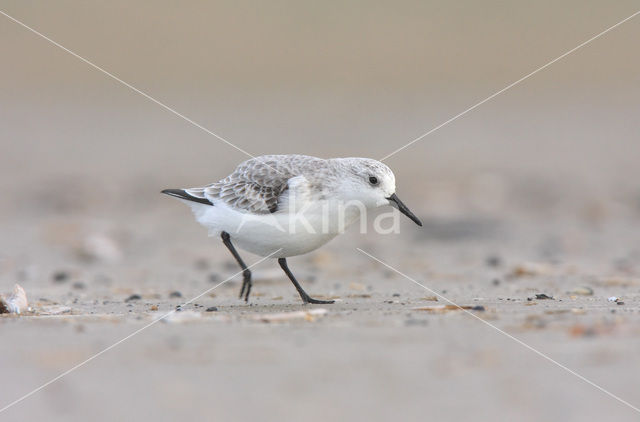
x: 287, y: 205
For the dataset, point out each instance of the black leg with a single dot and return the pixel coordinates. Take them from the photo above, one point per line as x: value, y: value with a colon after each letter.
x: 246, y: 273
x: 305, y: 297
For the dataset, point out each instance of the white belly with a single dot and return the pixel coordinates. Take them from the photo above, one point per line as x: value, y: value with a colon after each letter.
x: 277, y: 235
x: 264, y: 241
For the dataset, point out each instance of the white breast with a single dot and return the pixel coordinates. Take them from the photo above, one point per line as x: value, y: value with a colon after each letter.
x: 262, y: 234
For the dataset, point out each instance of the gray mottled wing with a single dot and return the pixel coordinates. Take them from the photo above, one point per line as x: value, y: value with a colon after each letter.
x: 256, y: 185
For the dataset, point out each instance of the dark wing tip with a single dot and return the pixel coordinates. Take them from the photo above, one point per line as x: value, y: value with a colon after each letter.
x: 182, y: 194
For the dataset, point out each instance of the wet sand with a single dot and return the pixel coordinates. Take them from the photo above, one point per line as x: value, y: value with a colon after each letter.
x: 387, y: 349
x: 531, y: 205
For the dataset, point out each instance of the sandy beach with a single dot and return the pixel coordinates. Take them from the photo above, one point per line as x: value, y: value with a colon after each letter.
x: 530, y: 204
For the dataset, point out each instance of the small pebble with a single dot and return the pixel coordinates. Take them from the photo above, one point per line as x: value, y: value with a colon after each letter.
x: 133, y: 297
x: 582, y: 291
x: 478, y: 308
x: 396, y: 295
x: 493, y: 261
x: 60, y: 276
x: 14, y: 303
x: 495, y: 282
x: 211, y: 309
x: 543, y: 296
x: 214, y: 278
x: 175, y: 294
x: 79, y: 285
x: 619, y: 302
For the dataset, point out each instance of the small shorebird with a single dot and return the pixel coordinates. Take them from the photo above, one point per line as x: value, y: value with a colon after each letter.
x: 288, y: 205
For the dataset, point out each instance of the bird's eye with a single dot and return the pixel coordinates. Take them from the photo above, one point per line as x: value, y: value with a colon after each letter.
x: 373, y: 180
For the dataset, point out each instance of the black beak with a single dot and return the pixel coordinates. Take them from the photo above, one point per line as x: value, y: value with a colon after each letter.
x: 396, y: 202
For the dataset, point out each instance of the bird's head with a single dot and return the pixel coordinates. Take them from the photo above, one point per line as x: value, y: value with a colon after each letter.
x: 370, y: 182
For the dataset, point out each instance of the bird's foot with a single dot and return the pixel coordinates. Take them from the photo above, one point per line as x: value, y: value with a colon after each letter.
x: 246, y: 289
x: 309, y: 299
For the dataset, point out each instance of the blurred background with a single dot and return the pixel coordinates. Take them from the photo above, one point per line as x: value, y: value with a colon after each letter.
x: 83, y: 158
x: 82, y: 151
x: 326, y: 79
